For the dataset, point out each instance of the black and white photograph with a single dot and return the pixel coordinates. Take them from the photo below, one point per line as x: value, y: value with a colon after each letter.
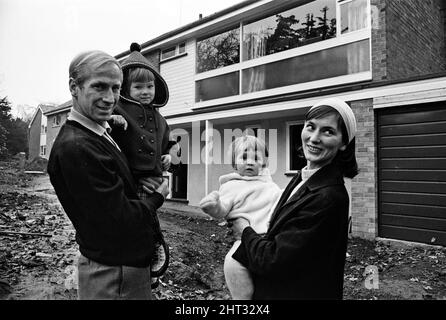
x: 232, y: 153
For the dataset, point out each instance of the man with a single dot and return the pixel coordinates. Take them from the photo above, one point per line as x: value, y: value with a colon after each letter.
x: 114, y: 228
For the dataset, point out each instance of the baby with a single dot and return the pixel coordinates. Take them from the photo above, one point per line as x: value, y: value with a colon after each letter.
x: 247, y: 193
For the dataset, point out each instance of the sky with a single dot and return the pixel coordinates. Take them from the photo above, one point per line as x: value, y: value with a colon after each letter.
x: 38, y: 38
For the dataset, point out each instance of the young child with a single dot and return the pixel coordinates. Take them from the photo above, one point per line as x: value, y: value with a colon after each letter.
x: 143, y: 134
x: 247, y: 193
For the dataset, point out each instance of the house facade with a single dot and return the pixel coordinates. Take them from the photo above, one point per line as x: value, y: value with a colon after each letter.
x: 37, y: 133
x: 258, y: 66
x: 56, y: 117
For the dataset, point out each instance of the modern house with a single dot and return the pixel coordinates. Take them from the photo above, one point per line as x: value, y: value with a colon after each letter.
x: 37, y: 133
x: 259, y: 65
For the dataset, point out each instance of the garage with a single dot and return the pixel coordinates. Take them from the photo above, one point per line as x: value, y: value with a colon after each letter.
x: 412, y: 173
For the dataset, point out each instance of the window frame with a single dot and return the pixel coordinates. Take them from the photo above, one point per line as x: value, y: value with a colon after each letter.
x: 176, y: 49
x: 57, y: 120
x: 339, y: 40
x: 227, y: 68
x: 288, y: 124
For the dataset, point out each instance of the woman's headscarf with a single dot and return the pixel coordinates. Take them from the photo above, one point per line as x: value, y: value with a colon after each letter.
x: 344, y: 110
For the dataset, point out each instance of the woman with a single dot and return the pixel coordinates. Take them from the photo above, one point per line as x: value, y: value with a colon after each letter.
x: 302, y: 256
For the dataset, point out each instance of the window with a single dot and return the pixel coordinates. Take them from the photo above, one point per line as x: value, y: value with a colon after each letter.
x: 308, y: 23
x: 342, y: 60
x: 317, y: 43
x: 218, y: 51
x: 182, y: 48
x: 43, y: 129
x: 353, y: 15
x: 217, y: 87
x: 295, y: 159
x: 56, y: 120
x: 173, y: 51
x: 168, y: 53
x: 42, y: 150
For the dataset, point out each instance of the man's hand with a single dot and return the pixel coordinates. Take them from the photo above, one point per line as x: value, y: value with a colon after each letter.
x: 163, y: 189
x: 210, y: 202
x: 155, y: 184
x: 166, y: 159
x: 151, y: 184
x: 119, y: 121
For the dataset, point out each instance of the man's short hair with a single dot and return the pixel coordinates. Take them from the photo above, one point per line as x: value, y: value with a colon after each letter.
x: 82, y: 64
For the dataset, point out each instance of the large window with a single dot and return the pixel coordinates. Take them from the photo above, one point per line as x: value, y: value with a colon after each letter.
x: 309, y: 23
x: 218, y: 51
x: 318, y: 40
x: 342, y: 60
x: 217, y: 87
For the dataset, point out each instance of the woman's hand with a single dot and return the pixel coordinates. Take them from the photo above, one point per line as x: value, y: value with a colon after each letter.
x: 237, y: 226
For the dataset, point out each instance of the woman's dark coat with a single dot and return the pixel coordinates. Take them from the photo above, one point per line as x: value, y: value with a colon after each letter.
x: 302, y: 256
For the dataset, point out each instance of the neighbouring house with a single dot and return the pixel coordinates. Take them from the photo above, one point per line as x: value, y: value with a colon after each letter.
x: 259, y: 65
x: 37, y: 133
x: 56, y: 117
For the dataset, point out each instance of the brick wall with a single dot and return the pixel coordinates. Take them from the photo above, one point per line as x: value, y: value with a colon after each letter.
x: 364, y: 185
x: 379, y: 44
x: 34, y: 136
x: 415, y: 38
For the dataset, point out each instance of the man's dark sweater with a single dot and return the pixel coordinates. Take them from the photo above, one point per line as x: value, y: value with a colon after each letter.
x: 97, y: 191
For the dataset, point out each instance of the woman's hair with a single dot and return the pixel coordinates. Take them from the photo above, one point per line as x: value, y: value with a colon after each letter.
x: 135, y: 75
x: 345, y: 160
x: 82, y: 64
x: 248, y: 142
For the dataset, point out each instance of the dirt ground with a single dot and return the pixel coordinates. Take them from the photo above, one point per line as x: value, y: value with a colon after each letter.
x: 40, y: 265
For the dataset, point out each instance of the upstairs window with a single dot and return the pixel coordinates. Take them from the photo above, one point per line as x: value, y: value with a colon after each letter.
x: 168, y: 53
x: 308, y: 23
x: 173, y: 51
x: 182, y: 48
x: 353, y: 15
x: 218, y: 51
x: 56, y: 120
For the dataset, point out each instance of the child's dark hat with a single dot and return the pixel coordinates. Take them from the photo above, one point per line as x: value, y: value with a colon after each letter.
x: 137, y: 60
